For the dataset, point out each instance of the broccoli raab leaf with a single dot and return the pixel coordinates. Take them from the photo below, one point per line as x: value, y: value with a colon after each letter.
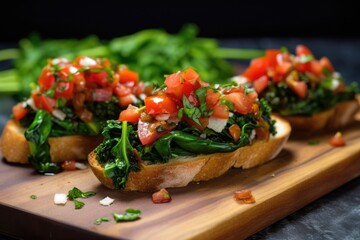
x: 130, y: 214
x: 76, y: 193
x: 37, y: 135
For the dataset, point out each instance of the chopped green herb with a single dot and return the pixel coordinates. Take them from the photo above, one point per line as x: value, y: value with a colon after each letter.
x: 130, y: 214
x: 99, y: 220
x: 313, y: 142
x: 191, y: 111
x: 33, y: 197
x: 75, y: 193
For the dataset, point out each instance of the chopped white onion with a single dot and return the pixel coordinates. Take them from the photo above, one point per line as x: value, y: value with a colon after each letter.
x: 133, y: 98
x: 203, y: 135
x: 162, y: 117
x: 60, y: 198
x: 59, y: 114
x: 239, y: 79
x: 106, y: 201
x: 87, y: 62
x: 217, y: 124
x: 31, y: 103
x: 80, y: 165
x: 253, y: 134
x: 334, y: 84
x: 142, y: 96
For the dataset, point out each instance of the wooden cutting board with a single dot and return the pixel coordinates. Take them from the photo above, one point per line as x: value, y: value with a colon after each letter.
x: 206, y: 210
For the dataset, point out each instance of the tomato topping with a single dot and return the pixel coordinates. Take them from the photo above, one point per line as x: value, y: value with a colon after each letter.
x: 316, y: 67
x: 190, y: 75
x: 258, y: 68
x: 325, y: 63
x: 174, y: 85
x: 299, y: 88
x: 302, y: 50
x: 235, y: 132
x: 19, y: 111
x: 124, y: 101
x: 64, y: 90
x: 148, y: 132
x: 261, y: 83
x: 94, y: 79
x: 46, y: 79
x: 337, y: 140
x: 220, y: 111
x: 244, y: 196
x: 212, y: 98
x: 161, y: 196
x: 69, y: 165
x: 204, y: 121
x: 44, y: 102
x: 121, y: 90
x: 262, y: 132
x: 159, y: 105
x: 87, y: 62
x: 271, y: 56
x: 242, y: 103
x: 127, y: 75
x: 131, y: 114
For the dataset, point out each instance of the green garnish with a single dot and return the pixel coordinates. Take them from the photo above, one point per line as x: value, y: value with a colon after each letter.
x: 313, y: 142
x: 33, y: 197
x: 100, y: 220
x: 75, y: 193
x: 130, y: 214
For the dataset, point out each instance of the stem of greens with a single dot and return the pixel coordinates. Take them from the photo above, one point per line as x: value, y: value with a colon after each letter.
x: 9, y: 54
x: 240, y: 54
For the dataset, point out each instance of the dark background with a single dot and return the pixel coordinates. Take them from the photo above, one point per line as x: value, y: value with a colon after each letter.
x: 221, y: 19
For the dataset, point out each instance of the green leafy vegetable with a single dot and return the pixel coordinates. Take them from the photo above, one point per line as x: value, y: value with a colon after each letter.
x: 33, y: 197
x: 100, y: 220
x: 76, y: 193
x: 130, y: 214
x: 190, y: 110
x: 37, y: 135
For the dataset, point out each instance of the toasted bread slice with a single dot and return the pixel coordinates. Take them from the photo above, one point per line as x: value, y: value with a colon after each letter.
x: 339, y: 116
x: 15, y: 148
x: 181, y: 171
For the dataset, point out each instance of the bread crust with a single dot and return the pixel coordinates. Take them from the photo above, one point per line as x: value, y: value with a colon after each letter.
x: 180, y: 172
x: 15, y: 148
x: 340, y: 116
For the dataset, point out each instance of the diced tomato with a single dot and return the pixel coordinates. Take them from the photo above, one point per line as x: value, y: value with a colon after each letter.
x: 261, y: 83
x: 69, y: 165
x: 241, y: 102
x: 316, y: 67
x: 64, y: 90
x: 159, y: 105
x: 147, y: 131
x: 303, y: 67
x: 220, y: 111
x: 126, y: 75
x: 121, y: 90
x: 337, y: 140
x: 125, y: 101
x: 244, y: 196
x: 302, y: 50
x: 46, y: 79
x: 204, y: 121
x: 299, y: 88
x: 174, y: 85
x: 67, y: 72
x: 263, y: 132
x: 326, y: 63
x: 44, y: 102
x: 97, y: 78
x: 161, y: 196
x: 235, y: 132
x: 258, y: 68
x: 102, y: 94
x: 131, y: 114
x: 212, y: 98
x: 188, y: 88
x: 19, y: 111
x: 138, y: 89
x: 191, y: 76
x: 271, y: 56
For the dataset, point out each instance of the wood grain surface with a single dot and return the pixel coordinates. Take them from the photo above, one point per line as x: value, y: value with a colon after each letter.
x: 205, y: 210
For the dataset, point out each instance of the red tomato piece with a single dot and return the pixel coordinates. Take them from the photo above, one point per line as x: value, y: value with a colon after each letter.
x: 69, y: 165
x: 44, y: 102
x: 235, y: 132
x: 316, y: 67
x: 161, y: 196
x: 121, y: 90
x: 241, y: 102
x: 97, y: 78
x: 131, y: 114
x: 299, y: 88
x: 191, y: 76
x: 337, y: 140
x: 302, y: 50
x: 261, y: 83
x: 127, y: 75
x: 19, y: 111
x: 220, y: 111
x: 325, y: 63
x: 258, y: 68
x: 271, y: 56
x: 125, y: 101
x: 147, y: 131
x: 46, y: 79
x: 203, y: 120
x: 64, y: 90
x: 244, y: 196
x: 159, y: 105
x: 174, y: 85
x: 212, y: 98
